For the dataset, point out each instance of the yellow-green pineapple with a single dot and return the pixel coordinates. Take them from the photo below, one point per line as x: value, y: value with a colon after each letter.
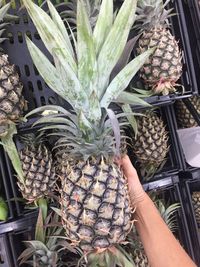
x: 12, y: 101
x: 38, y: 169
x: 150, y: 145
x: 94, y: 199
x: 163, y: 69
x: 196, y: 205
x: 183, y: 115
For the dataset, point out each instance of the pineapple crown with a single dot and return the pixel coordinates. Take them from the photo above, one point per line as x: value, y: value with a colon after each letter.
x: 68, y: 10
x: 47, y: 247
x: 151, y: 13
x: 83, y: 64
x: 4, y: 16
x: 33, y: 139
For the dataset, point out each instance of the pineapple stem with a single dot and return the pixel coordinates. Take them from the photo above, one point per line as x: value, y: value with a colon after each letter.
x: 10, y: 148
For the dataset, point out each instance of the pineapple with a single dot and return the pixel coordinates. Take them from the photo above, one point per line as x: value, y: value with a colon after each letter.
x: 183, y: 115
x: 38, y: 169
x: 164, y: 67
x: 45, y: 250
x: 135, y: 247
x: 196, y: 205
x: 12, y: 102
x: 94, y: 199
x: 151, y: 143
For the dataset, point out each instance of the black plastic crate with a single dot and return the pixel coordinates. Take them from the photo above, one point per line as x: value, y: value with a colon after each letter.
x: 170, y: 190
x: 173, y: 163
x: 171, y: 111
x: 37, y: 92
x: 12, y: 236
x: 5, y: 188
x: 192, y: 15
x: 191, y: 184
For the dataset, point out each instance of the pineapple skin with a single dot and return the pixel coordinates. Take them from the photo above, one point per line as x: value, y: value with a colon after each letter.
x: 196, y: 205
x: 12, y: 102
x: 39, y: 172
x: 183, y: 115
x: 151, y: 144
x: 164, y: 66
x: 95, y: 204
x: 139, y: 258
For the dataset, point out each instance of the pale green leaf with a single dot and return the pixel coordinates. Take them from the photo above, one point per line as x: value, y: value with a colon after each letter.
x: 121, y: 81
x: 39, y: 230
x: 59, y: 23
x: 48, y: 107
x: 3, y: 11
x: 131, y: 118
x: 95, y: 109
x: 10, y: 148
x: 57, y: 211
x: 115, y: 43
x: 72, y: 88
x: 103, y: 24
x: 50, y: 34
x: 84, y: 124
x: 45, y: 68
x: 87, y: 65
x: 36, y: 245
x: 132, y: 99
x: 43, y: 205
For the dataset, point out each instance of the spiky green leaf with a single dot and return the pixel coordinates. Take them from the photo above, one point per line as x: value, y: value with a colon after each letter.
x: 121, y: 81
x: 132, y: 99
x: 49, y: 72
x: 39, y: 231
x: 131, y: 118
x: 115, y: 43
x: 103, y: 25
x: 50, y: 34
x: 59, y: 23
x: 12, y: 152
x: 87, y: 65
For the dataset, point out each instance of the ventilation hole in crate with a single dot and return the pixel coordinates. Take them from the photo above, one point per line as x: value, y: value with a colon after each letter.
x: 39, y: 84
x: 25, y: 18
x: 18, y: 70
x: 10, y: 37
x: 28, y: 33
x: 35, y: 70
x: 42, y: 100
x: 52, y: 100
x: 30, y: 86
x: 20, y: 37
x: 27, y: 71
x: 37, y: 36
x: 34, y: 103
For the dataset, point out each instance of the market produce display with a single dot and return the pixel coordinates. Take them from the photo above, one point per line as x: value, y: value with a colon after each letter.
x: 92, y: 81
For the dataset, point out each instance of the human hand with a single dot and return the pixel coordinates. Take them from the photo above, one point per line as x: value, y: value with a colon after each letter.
x: 137, y: 193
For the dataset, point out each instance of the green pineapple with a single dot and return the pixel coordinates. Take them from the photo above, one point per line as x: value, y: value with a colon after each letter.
x: 46, y: 249
x: 183, y: 115
x: 196, y: 205
x: 164, y: 67
x: 95, y: 205
x: 151, y: 143
x: 12, y: 101
x: 38, y: 169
